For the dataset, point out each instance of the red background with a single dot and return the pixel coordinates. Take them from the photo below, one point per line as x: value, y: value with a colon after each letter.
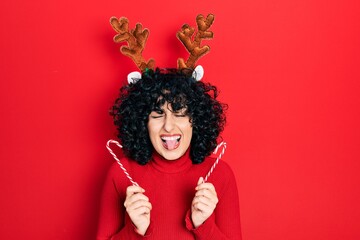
x: 288, y: 69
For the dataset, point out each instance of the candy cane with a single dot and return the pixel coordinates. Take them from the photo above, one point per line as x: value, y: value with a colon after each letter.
x: 217, y: 159
x: 135, y: 184
x: 118, y: 161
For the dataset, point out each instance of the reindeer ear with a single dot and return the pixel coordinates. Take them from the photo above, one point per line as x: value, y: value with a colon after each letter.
x: 198, y: 73
x: 133, y: 77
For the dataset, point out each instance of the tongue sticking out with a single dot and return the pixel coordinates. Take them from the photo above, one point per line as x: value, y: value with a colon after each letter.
x: 171, y: 144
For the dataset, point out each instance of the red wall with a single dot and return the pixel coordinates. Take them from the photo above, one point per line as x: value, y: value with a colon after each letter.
x: 288, y: 69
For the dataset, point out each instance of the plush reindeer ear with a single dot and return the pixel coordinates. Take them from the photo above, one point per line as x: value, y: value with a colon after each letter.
x: 136, y: 39
x: 198, y: 73
x: 192, y: 43
x: 133, y: 77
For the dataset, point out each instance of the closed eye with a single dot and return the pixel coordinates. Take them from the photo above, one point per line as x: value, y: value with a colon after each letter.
x: 180, y: 113
x: 156, y: 116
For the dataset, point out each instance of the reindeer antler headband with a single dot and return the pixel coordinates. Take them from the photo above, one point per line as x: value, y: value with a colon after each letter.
x: 136, y: 39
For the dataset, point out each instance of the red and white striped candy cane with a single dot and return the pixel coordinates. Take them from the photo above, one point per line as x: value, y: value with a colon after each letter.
x: 217, y: 159
x: 135, y: 183
x: 118, y: 161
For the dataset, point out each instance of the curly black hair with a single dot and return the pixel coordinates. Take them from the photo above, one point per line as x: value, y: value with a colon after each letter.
x: 177, y: 87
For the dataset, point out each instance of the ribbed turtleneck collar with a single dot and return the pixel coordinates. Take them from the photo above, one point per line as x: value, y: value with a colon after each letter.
x: 171, y: 166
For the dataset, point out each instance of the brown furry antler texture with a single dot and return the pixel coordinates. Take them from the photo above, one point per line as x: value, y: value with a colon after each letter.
x: 136, y: 39
x: 192, y: 44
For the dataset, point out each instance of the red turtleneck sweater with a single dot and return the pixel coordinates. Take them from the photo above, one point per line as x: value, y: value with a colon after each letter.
x: 170, y: 186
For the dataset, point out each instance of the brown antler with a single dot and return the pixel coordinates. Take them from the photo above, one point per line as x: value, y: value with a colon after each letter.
x: 136, y: 39
x: 193, y: 46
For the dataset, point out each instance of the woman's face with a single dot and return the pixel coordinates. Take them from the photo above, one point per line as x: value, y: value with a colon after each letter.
x: 170, y: 132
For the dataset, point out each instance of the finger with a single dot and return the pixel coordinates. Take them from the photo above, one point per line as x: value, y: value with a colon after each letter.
x: 134, y: 189
x: 206, y: 201
x: 200, y: 181
x: 135, y: 197
x: 139, y: 204
x: 209, y: 186
x: 206, y: 193
x: 140, y: 211
x: 199, y: 206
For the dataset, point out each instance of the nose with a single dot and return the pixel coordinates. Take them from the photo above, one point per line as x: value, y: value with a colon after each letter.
x: 169, y: 123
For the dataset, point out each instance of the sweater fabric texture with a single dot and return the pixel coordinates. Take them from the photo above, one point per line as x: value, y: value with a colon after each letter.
x: 170, y: 187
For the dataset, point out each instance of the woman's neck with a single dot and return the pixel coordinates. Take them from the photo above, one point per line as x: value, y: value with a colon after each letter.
x: 171, y: 166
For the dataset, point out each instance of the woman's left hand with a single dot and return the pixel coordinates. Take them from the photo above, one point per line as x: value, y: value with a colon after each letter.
x: 204, y: 202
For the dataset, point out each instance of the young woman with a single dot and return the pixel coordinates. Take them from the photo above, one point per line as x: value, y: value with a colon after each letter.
x: 169, y: 125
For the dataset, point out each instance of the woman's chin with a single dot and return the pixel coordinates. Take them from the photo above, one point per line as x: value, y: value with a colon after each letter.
x: 172, y: 154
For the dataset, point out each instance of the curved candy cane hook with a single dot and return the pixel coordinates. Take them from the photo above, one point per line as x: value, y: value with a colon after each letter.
x: 118, y: 161
x: 217, y: 159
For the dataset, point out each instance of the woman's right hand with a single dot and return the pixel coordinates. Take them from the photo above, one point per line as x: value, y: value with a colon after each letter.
x: 138, y: 207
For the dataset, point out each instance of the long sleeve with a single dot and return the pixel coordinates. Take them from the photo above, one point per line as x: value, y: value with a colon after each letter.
x: 170, y: 187
x: 114, y: 223
x: 224, y: 223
